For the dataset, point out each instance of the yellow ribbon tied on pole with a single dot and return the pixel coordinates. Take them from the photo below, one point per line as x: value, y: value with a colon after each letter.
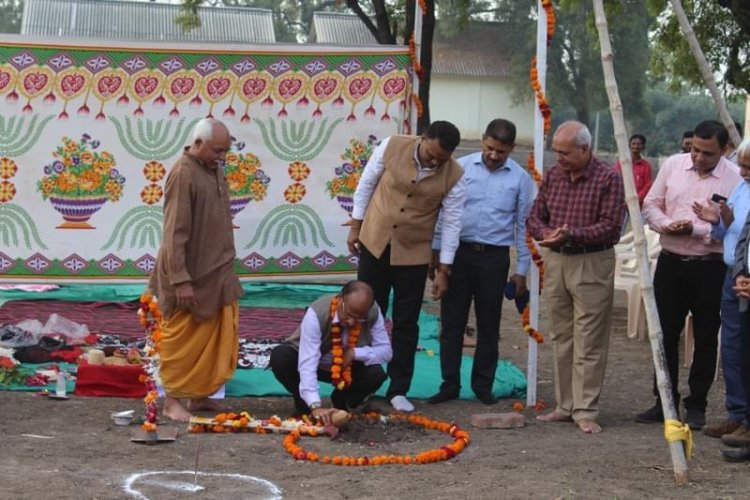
x: 674, y: 430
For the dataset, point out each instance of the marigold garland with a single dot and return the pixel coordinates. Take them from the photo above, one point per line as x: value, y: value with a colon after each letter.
x: 243, y: 422
x: 341, y: 379
x: 414, y: 59
x: 550, y: 10
x: 460, y: 437
x: 150, y: 318
x: 541, y: 99
x: 536, y: 257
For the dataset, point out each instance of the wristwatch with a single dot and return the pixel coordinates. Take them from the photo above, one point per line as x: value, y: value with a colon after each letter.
x: 314, y: 406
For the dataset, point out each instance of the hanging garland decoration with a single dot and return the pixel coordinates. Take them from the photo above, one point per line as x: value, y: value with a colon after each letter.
x: 460, y: 437
x: 341, y: 379
x: 550, y: 10
x: 541, y: 99
x: 150, y: 318
x: 546, y: 113
x: 417, y: 69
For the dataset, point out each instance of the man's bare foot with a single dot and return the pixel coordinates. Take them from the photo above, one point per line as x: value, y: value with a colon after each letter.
x: 174, y: 410
x: 206, y: 404
x: 588, y: 426
x: 553, y: 416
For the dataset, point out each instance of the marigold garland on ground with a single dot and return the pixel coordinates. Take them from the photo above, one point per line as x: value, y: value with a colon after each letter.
x: 244, y: 422
x: 460, y: 437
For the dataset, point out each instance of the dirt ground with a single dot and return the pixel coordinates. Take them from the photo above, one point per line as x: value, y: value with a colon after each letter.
x: 71, y: 450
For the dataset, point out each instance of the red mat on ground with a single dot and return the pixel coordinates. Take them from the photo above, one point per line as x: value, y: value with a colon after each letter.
x: 121, y: 318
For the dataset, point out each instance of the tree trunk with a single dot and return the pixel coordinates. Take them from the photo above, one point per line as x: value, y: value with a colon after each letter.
x: 706, y: 71
x: 631, y: 197
x: 428, y: 35
x: 385, y: 34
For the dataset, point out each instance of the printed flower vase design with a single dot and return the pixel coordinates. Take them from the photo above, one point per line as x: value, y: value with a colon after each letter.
x: 80, y: 180
x: 247, y: 181
x: 343, y: 185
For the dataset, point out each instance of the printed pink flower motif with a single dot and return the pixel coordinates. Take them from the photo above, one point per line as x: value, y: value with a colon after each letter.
x: 100, y: 117
x: 338, y: 102
x: 176, y: 112
x: 49, y: 98
x: 63, y: 115
x: 138, y: 112
x: 229, y: 112
x: 351, y: 118
x: 370, y: 113
x: 245, y: 118
x: 84, y: 110
x: 27, y: 109
x: 385, y: 118
x: 267, y: 102
x: 317, y: 113
x: 303, y: 103
x: 12, y: 97
x: 196, y: 101
x: 123, y: 101
x: 282, y: 113
x: 160, y: 101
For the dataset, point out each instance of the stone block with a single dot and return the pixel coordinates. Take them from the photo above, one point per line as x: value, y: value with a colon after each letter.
x: 498, y: 420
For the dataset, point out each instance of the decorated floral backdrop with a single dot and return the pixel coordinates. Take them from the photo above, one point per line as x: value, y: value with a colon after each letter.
x: 88, y: 135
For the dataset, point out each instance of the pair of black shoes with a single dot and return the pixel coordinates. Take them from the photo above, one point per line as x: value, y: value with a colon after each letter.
x: 696, y: 419
x: 736, y: 454
x: 445, y: 395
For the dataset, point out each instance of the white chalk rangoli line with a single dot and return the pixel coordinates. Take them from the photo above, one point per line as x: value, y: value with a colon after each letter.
x: 273, y: 491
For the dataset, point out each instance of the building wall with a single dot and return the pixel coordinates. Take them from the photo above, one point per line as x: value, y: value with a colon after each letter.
x: 470, y: 103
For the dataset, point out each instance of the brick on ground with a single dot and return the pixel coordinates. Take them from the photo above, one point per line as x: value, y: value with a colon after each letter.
x: 498, y: 420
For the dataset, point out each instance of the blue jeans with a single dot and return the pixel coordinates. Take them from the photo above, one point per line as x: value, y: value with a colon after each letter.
x: 731, y: 352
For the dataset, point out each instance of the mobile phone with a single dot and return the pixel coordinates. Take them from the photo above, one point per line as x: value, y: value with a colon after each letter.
x: 717, y: 198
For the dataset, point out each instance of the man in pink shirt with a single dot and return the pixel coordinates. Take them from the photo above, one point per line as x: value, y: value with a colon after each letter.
x: 690, y: 269
x: 642, y: 170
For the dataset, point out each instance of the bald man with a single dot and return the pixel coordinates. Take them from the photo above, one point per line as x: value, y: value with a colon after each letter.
x: 309, y: 354
x: 577, y: 218
x: 194, y: 277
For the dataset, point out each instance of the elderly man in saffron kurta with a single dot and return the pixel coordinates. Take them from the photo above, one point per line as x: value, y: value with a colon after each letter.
x: 406, y: 183
x: 194, y: 278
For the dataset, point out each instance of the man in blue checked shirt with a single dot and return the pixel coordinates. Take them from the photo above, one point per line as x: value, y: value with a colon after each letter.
x: 499, y: 195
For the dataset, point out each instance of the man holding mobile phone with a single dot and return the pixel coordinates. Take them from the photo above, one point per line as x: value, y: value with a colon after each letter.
x: 690, y: 270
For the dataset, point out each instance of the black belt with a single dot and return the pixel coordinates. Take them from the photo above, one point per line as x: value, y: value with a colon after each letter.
x: 692, y: 258
x: 579, y: 249
x: 481, y: 247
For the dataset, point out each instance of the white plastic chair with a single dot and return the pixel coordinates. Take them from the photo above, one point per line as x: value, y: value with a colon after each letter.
x: 627, y: 279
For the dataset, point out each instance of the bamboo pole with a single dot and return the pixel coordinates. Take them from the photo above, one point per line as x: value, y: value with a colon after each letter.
x: 676, y: 448
x: 706, y: 71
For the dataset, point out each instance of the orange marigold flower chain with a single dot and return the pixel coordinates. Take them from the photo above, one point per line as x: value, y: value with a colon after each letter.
x: 341, y: 379
x: 460, y: 437
x: 536, y: 257
x: 150, y: 318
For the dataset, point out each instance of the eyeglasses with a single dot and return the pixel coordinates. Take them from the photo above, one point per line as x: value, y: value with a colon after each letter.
x: 349, y: 316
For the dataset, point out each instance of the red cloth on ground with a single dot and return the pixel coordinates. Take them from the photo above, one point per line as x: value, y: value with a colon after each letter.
x: 69, y: 355
x: 110, y: 380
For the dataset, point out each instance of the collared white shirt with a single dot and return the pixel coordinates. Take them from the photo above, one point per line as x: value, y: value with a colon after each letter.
x: 377, y: 353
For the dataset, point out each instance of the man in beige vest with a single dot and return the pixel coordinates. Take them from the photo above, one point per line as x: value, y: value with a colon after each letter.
x: 404, y: 186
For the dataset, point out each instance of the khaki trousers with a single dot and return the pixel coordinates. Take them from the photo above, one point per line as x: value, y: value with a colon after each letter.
x: 580, y: 291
